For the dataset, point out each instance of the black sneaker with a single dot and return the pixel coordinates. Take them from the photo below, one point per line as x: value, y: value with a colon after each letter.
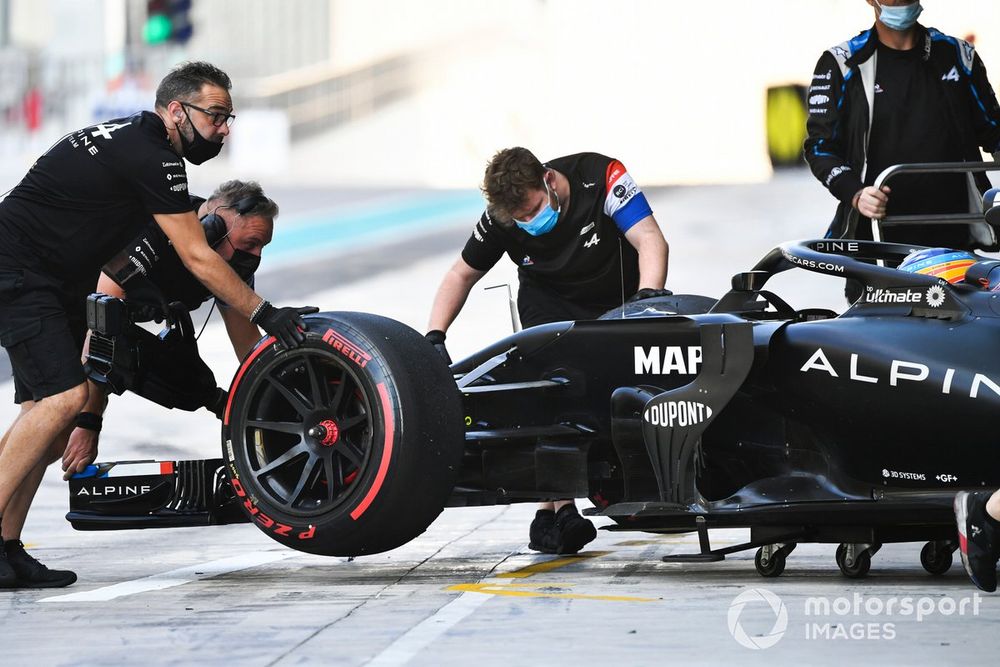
x: 977, y: 539
x: 32, y: 574
x: 574, y: 531
x: 542, y: 535
x: 8, y: 578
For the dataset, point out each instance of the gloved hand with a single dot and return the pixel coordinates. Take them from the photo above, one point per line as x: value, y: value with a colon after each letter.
x: 648, y: 293
x: 436, y: 338
x: 285, y: 324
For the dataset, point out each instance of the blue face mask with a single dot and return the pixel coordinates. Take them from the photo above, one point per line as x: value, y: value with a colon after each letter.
x: 899, y: 18
x: 545, y: 220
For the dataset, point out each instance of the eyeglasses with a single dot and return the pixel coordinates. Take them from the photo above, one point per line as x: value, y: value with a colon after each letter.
x: 218, y: 117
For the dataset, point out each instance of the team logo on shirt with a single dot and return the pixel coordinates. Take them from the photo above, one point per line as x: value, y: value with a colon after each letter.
x: 594, y: 240
x: 527, y: 261
x: 952, y: 75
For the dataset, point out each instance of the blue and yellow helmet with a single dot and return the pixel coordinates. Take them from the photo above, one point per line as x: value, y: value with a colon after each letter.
x: 943, y: 263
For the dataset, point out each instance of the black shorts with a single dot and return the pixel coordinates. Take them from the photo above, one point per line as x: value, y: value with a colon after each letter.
x: 538, y: 305
x: 42, y: 327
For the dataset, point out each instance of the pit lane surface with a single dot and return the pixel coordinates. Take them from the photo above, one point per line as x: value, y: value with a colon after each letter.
x: 469, y: 590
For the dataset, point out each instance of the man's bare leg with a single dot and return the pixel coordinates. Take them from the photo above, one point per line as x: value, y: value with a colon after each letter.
x: 26, y: 445
x: 28, y: 439
x: 17, y: 509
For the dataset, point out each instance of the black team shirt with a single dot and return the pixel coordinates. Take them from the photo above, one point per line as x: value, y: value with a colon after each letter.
x: 89, y: 195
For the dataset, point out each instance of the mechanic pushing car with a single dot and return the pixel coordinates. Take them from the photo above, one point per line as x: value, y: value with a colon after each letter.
x: 584, y: 238
x: 900, y: 93
x: 80, y: 202
x: 239, y: 221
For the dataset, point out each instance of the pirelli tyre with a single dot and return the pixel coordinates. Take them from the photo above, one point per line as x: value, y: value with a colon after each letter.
x: 349, y: 444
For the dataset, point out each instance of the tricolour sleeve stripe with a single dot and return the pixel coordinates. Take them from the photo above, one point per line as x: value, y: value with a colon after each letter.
x: 624, y: 202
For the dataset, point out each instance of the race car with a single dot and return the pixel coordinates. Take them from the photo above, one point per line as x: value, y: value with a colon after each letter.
x: 675, y: 414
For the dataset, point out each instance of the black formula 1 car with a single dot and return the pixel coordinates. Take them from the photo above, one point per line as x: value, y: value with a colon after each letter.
x: 676, y: 414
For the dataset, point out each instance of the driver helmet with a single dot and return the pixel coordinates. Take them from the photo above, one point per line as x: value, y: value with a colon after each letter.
x: 943, y: 263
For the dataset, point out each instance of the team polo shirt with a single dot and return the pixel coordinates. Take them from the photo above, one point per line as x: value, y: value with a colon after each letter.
x: 89, y: 195
x: 585, y: 258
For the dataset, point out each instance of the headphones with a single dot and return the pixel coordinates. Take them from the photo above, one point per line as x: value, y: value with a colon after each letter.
x: 215, y: 226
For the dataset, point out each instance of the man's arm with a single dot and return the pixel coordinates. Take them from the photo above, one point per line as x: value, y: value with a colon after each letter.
x: 824, y: 146
x: 987, y: 111
x: 188, y: 238
x: 452, y: 294
x: 654, y: 252
x: 81, y: 449
x: 243, y: 334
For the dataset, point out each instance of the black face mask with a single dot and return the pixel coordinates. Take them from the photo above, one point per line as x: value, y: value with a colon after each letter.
x: 199, y: 149
x: 244, y: 263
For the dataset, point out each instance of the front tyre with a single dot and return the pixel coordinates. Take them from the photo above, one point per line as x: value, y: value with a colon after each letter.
x: 349, y: 444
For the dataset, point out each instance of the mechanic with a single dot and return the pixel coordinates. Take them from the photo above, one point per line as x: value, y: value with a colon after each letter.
x: 978, y: 517
x: 239, y: 221
x: 899, y: 93
x: 81, y: 201
x: 563, y: 223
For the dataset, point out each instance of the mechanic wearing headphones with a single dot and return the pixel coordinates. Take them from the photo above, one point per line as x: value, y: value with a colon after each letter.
x: 897, y: 93
x: 239, y: 221
x: 93, y: 191
x: 584, y: 238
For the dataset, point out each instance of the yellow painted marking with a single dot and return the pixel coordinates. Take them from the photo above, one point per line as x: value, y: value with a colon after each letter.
x: 512, y: 591
x: 642, y: 543
x: 550, y: 565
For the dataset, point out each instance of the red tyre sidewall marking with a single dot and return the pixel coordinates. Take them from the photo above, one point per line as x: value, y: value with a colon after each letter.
x: 383, y: 466
x: 239, y: 376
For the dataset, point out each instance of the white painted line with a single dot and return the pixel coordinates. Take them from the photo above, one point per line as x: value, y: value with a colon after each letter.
x: 176, y: 577
x: 422, y: 634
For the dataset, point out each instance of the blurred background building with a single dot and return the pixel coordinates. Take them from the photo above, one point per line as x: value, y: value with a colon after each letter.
x: 420, y: 94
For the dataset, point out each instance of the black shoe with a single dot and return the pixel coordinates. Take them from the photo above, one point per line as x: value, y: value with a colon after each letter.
x: 32, y: 574
x: 978, y: 539
x: 8, y: 578
x: 574, y: 531
x: 542, y: 535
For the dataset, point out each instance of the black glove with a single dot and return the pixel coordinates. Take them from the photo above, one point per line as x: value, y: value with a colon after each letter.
x: 436, y: 338
x: 648, y: 293
x: 285, y: 324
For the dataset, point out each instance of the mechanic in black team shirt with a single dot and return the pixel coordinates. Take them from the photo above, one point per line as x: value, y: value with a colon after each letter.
x: 584, y: 239
x: 239, y: 221
x: 896, y: 93
x: 78, y: 205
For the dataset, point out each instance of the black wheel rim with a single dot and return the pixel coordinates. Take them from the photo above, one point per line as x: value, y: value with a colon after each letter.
x: 308, y: 431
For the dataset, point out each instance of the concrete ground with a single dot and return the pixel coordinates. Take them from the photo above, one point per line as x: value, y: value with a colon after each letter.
x: 469, y: 590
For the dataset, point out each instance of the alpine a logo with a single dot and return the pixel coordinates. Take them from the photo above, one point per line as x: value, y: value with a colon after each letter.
x: 669, y: 360
x: 677, y: 413
x: 900, y: 372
